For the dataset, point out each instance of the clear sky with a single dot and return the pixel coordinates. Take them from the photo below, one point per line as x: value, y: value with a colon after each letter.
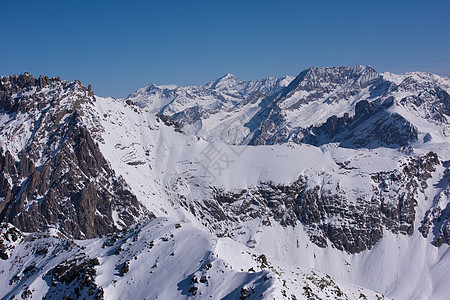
x: 119, y: 46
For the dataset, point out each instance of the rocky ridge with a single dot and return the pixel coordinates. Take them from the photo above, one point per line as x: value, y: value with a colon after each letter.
x: 52, y: 172
x: 329, y: 213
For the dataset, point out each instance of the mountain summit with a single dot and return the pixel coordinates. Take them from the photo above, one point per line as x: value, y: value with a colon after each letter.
x: 223, y: 82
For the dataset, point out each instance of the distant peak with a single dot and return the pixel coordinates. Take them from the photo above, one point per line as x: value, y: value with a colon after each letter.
x: 224, y: 81
x: 357, y: 68
x: 153, y: 86
x: 228, y: 76
x: 350, y: 71
x: 167, y: 86
x: 316, y: 77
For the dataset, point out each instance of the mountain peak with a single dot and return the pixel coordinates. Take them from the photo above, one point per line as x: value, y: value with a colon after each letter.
x: 228, y: 76
x: 316, y: 77
x: 223, y: 82
x: 357, y: 69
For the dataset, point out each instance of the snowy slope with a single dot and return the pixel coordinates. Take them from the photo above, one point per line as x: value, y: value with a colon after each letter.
x: 159, y: 259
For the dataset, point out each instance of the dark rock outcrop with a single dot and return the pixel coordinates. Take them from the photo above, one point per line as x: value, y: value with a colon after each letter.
x: 59, y: 178
x: 437, y: 218
x: 370, y: 127
x: 329, y: 215
x: 9, y: 236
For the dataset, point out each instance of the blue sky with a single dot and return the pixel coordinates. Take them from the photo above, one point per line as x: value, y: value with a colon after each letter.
x: 119, y: 46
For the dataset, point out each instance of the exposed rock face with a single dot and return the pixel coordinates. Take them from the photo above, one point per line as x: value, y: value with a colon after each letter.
x: 321, y: 81
x: 374, y: 98
x: 353, y: 225
x: 372, y: 125
x: 52, y: 172
x: 440, y: 219
x: 90, y: 91
x: 9, y: 237
x: 385, y: 129
x: 68, y: 271
x: 359, y: 225
x: 77, y: 274
x: 168, y: 121
x: 430, y: 97
x: 438, y: 216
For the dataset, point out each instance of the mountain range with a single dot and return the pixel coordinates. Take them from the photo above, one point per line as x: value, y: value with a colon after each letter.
x: 324, y: 185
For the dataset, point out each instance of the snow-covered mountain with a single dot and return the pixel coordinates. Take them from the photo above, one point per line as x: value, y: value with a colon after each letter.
x: 52, y: 171
x: 199, y: 108
x: 352, y: 106
x: 347, y: 185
